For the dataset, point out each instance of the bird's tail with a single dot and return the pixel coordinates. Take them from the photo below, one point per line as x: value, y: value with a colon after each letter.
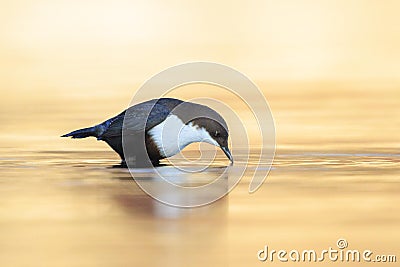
x: 83, y: 133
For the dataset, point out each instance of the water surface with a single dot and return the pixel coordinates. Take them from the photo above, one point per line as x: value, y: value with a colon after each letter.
x: 335, y: 174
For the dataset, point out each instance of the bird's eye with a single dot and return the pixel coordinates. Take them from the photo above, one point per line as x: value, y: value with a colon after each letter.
x: 217, y: 134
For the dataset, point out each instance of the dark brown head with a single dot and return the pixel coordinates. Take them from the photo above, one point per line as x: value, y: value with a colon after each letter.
x: 217, y: 132
x: 212, y: 128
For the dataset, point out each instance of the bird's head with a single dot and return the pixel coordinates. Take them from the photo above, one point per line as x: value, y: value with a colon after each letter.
x: 217, y: 133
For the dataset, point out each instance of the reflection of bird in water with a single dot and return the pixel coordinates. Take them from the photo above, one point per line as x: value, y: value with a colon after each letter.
x: 169, y: 126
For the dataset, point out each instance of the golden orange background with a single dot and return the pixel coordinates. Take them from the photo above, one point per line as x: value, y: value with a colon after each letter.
x: 339, y: 58
x: 330, y: 71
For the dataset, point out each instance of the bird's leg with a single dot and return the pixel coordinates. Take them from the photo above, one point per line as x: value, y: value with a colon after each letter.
x: 123, y: 163
x: 155, y: 162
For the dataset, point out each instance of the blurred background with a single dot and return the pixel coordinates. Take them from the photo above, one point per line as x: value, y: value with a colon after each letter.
x: 337, y: 60
x: 330, y: 71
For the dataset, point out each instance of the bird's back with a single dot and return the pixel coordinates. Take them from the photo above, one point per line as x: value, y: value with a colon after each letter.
x: 143, y: 116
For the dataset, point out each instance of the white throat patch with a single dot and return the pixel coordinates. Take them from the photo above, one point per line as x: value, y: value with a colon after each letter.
x: 172, y: 135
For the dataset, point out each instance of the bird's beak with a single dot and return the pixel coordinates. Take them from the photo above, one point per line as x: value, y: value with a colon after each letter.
x: 227, y: 153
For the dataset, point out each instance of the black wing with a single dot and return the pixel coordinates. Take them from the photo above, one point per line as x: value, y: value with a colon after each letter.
x: 145, y: 116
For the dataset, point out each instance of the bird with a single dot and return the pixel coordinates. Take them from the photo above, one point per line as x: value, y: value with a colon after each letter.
x: 162, y: 127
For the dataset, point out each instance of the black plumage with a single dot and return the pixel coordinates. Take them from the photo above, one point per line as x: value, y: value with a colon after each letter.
x: 139, y: 119
x: 110, y: 131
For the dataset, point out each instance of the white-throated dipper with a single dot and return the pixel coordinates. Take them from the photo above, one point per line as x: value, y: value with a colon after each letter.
x: 163, y: 127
